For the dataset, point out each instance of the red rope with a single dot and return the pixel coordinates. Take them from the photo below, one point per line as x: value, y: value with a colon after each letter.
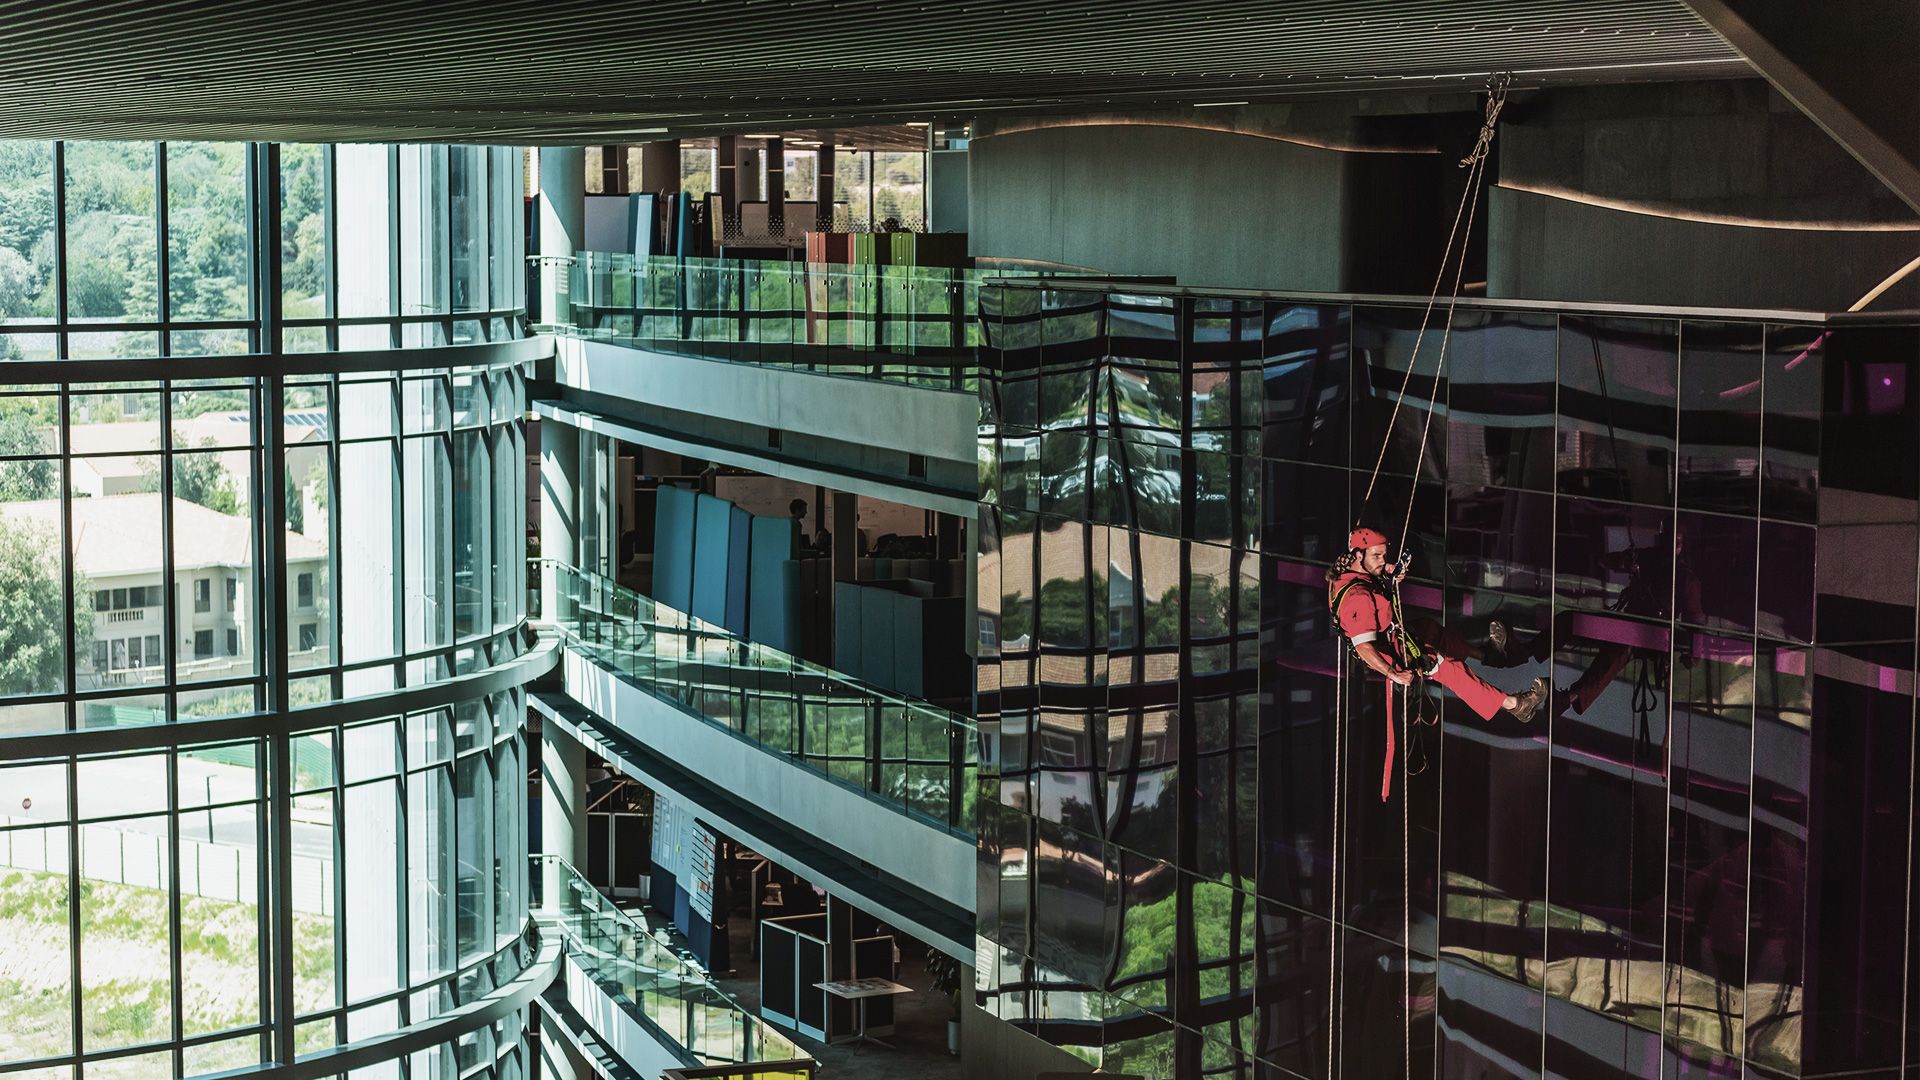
x: 1386, y: 773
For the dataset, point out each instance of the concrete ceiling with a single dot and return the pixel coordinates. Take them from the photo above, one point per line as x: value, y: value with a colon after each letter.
x: 530, y: 72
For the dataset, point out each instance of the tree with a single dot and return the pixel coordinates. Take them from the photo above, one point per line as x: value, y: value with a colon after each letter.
x: 33, y: 611
x: 302, y: 231
x: 197, y: 478
x: 26, y: 232
x: 18, y: 285
x: 207, y: 233
x: 25, y: 427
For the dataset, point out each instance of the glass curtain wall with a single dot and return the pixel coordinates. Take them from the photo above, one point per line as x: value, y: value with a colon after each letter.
x: 1202, y: 855
x: 871, y: 186
x: 156, y: 528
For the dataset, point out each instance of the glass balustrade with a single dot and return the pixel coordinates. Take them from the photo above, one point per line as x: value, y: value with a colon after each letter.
x: 670, y: 994
x: 769, y: 1071
x: 917, y: 757
x: 908, y: 324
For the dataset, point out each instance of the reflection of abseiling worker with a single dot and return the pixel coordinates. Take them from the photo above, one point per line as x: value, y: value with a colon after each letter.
x: 1360, y: 591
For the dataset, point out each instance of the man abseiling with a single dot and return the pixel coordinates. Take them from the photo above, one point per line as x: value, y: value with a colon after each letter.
x: 1360, y: 593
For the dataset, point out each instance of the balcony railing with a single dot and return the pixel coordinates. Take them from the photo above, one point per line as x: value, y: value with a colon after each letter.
x: 919, y: 758
x: 909, y: 324
x: 674, y: 1000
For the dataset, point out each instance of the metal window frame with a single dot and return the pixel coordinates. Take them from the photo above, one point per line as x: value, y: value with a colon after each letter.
x: 492, y: 665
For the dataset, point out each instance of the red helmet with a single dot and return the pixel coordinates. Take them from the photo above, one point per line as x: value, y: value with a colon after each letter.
x: 1362, y: 538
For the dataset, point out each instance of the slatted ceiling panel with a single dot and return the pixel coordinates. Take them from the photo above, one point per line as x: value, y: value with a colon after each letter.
x: 530, y: 72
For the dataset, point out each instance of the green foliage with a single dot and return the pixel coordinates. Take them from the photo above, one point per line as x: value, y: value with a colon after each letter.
x: 219, y: 944
x: 26, y: 235
x: 207, y: 250
x: 1147, y: 940
x: 199, y: 478
x: 26, y: 427
x: 191, y: 403
x: 26, y: 217
x: 113, y: 265
x: 125, y: 1011
x: 239, y: 699
x: 35, y: 1021
x: 112, y: 247
x: 303, y: 232
x: 40, y: 899
x: 296, y: 506
x: 1064, y: 613
x: 32, y: 630
x: 801, y: 179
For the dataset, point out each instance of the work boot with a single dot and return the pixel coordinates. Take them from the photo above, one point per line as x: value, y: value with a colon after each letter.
x: 1528, y: 701
x: 1497, y: 637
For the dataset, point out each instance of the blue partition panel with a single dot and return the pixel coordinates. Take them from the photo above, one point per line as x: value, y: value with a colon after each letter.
x: 779, y: 970
x: 909, y: 645
x: 879, y: 610
x: 847, y: 620
x: 673, y: 521
x: 773, y: 605
x: 711, y: 546
x: 640, y: 215
x: 739, y: 537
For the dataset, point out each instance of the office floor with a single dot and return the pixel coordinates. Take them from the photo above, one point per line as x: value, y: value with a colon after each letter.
x: 919, y: 1038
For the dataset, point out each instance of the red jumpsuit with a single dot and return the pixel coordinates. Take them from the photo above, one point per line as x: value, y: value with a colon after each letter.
x: 1366, y: 614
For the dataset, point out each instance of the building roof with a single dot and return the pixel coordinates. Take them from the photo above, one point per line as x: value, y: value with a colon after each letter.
x: 214, y: 430
x: 119, y: 535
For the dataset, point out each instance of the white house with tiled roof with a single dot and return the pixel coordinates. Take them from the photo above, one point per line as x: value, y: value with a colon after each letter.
x: 117, y: 550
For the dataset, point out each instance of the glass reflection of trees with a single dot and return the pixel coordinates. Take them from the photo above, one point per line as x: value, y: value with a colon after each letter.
x: 1650, y: 504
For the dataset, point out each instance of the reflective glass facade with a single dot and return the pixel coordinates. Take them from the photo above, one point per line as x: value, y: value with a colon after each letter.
x: 1702, y: 530
x: 264, y: 614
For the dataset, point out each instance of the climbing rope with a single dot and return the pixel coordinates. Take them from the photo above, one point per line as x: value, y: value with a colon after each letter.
x: 1406, y: 906
x: 1475, y: 163
x: 1333, y: 874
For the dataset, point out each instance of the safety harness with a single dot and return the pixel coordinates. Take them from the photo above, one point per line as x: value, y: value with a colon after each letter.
x: 1410, y: 652
x: 1413, y: 703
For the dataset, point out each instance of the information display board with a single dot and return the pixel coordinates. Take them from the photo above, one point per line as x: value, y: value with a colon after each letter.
x: 700, y: 869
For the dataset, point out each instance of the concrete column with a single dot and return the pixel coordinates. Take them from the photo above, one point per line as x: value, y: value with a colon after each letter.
x: 613, y: 170
x: 563, y: 806
x: 846, y: 535
x: 750, y: 175
x: 725, y: 182
x: 660, y: 167
x: 776, y: 155
x: 823, y: 179
x: 562, y: 211
x: 947, y: 191
x: 559, y: 502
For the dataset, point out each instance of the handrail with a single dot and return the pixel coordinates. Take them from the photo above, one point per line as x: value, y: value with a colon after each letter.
x: 675, y: 998
x: 509, y: 997
x: 507, y: 353
x: 769, y: 1070
x: 540, y: 657
x: 921, y: 759
x: 897, y: 323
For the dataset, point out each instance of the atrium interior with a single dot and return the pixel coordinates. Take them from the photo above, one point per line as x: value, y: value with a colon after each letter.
x: 771, y: 542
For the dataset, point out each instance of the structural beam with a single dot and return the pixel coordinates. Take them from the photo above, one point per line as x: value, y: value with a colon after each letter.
x: 1849, y: 67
